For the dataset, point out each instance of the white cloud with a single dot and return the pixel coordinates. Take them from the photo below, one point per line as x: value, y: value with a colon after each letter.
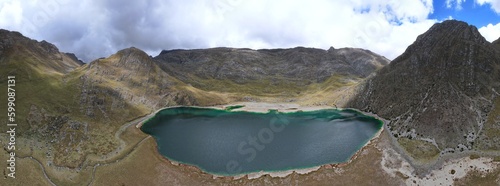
x: 457, y: 4
x: 490, y: 32
x: 495, y: 4
x: 11, y: 13
x: 93, y: 29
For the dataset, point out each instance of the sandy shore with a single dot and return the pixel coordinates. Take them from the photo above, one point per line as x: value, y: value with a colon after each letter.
x: 264, y: 108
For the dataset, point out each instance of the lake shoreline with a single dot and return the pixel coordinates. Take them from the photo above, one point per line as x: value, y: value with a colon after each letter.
x: 272, y: 174
x: 265, y: 108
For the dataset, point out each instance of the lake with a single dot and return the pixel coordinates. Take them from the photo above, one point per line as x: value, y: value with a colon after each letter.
x: 229, y: 143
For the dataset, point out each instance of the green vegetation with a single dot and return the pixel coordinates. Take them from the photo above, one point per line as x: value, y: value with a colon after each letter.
x: 233, y: 107
x: 280, y: 87
x: 474, y: 156
x: 419, y: 150
x: 49, y: 109
x: 496, y: 159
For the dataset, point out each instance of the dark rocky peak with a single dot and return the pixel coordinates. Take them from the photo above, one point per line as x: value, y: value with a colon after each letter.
x: 132, y: 52
x: 273, y: 50
x: 307, y: 50
x: 446, y: 35
x: 49, y: 47
x: 131, y: 59
x: 74, y: 58
x: 43, y: 55
x: 451, y: 30
x: 4, y: 32
x: 9, y: 39
x: 442, y: 87
x: 196, y: 52
x: 164, y: 52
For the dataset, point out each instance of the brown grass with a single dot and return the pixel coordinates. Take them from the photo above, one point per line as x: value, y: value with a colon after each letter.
x: 477, y: 178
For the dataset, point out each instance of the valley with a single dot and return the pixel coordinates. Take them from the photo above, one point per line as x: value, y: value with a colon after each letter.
x: 78, y: 122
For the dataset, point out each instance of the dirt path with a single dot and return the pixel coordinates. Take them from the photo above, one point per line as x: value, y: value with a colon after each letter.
x: 118, y: 160
x: 41, y: 165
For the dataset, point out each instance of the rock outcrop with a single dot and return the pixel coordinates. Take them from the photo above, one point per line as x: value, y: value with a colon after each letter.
x: 15, y: 48
x: 272, y: 67
x: 440, y: 90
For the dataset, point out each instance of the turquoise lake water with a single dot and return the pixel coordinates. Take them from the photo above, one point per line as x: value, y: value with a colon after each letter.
x: 235, y: 142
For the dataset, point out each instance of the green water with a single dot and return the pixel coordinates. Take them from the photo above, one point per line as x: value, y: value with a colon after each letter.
x: 234, y: 107
x: 230, y: 143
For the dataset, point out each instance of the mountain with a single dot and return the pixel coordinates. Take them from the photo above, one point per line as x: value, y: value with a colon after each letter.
x: 69, y: 112
x: 17, y: 50
x: 133, y: 76
x: 441, y: 94
x: 497, y: 43
x: 276, y: 72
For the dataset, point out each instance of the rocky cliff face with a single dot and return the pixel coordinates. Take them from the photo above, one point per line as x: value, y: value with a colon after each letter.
x: 276, y: 67
x: 441, y: 90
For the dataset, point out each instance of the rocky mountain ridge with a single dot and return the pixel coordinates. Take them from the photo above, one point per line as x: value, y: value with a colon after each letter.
x: 42, y: 55
x: 440, y: 96
x: 70, y: 110
x: 441, y: 92
x: 294, y: 67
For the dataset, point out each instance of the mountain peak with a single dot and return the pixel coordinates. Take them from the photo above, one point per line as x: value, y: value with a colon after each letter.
x: 16, y: 48
x: 8, y: 39
x: 444, y: 36
x: 4, y: 33
x: 452, y: 30
x: 74, y: 58
x: 133, y: 55
x: 131, y: 50
x: 448, y: 71
x: 129, y: 58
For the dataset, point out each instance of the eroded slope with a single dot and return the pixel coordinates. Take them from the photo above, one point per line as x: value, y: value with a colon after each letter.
x: 440, y: 93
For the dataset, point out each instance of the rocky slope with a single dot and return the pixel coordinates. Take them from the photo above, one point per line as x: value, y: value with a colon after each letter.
x: 67, y: 110
x: 275, y: 71
x: 441, y: 92
x: 441, y: 95
x: 132, y: 75
x: 15, y: 49
x: 70, y: 110
x: 497, y: 43
x: 44, y: 95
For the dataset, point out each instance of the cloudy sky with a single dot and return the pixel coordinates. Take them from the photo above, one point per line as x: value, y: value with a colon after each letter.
x: 99, y: 28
